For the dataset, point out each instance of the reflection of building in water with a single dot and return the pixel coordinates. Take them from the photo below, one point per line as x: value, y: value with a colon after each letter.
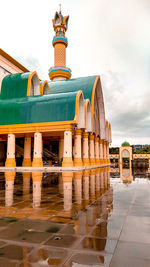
x: 92, y: 184
x: 67, y: 190
x: 86, y: 187
x: 77, y: 180
x: 9, y: 188
x: 126, y: 175
x: 37, y: 181
x: 26, y: 184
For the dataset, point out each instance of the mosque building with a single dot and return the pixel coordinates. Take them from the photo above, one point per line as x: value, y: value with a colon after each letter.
x: 63, y: 112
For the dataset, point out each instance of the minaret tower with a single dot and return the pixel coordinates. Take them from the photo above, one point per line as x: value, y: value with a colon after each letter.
x: 60, y: 42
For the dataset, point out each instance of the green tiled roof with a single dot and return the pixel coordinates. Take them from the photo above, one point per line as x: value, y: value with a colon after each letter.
x: 14, y: 86
x: 36, y: 109
x: 85, y: 84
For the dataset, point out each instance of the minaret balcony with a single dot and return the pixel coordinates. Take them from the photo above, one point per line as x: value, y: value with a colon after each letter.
x: 60, y: 39
x: 59, y: 71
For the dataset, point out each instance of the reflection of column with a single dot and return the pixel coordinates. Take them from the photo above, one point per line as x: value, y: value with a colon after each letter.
x: 78, y: 188
x: 26, y: 183
x: 61, y: 148
x: 9, y: 188
x: 37, y: 155
x: 97, y: 151
x: 102, y: 180
x: 108, y: 178
x: 77, y: 148
x: 92, y: 184
x: 101, y: 151
x: 37, y: 178
x: 92, y: 157
x: 104, y: 151
x: 86, y: 187
x: 10, y: 161
x: 67, y: 188
x: 60, y: 185
x: 97, y: 182
x: 107, y: 152
x: 67, y: 159
x: 86, y: 161
x: 105, y: 179
x: 27, y: 152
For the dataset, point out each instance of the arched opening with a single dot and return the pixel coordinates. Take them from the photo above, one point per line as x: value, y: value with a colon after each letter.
x: 98, y: 97
x: 80, y: 110
x: 87, y: 112
x: 34, y: 87
x: 45, y: 88
x: 125, y: 159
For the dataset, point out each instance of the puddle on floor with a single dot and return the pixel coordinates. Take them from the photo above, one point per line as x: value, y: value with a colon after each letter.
x: 68, y: 219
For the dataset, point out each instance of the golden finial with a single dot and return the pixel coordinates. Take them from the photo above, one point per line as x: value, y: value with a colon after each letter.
x: 59, y: 8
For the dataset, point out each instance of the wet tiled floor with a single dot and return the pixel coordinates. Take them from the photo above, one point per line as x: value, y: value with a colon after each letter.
x: 74, y: 220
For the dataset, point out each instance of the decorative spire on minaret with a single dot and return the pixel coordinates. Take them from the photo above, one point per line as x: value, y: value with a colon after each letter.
x: 60, y: 42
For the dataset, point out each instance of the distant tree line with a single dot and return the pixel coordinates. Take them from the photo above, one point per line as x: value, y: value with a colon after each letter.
x: 144, y: 150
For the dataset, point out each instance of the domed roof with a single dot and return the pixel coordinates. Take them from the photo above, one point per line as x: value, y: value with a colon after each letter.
x: 125, y: 144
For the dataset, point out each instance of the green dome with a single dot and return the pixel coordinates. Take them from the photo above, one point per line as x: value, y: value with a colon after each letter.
x: 125, y: 144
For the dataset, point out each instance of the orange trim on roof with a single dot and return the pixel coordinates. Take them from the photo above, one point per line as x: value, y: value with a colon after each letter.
x: 13, y: 61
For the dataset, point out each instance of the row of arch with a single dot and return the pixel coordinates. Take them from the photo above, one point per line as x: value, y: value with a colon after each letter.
x: 90, y: 112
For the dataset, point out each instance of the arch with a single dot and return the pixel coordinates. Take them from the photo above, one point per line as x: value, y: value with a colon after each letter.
x: 97, y: 95
x: 79, y: 110
x: 45, y: 88
x: 33, y: 87
x: 125, y: 153
x: 87, y: 114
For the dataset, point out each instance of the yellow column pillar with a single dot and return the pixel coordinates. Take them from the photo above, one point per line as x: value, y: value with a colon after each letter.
x: 101, y: 151
x: 97, y: 159
x: 37, y: 154
x: 27, y: 152
x: 92, y: 154
x: 77, y: 148
x: 61, y: 148
x: 86, y: 161
x: 67, y: 159
x: 10, y: 161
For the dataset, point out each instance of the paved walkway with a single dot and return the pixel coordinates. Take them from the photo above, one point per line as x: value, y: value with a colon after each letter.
x: 131, y: 222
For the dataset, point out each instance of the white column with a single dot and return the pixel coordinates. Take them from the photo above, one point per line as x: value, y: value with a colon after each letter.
x: 101, y: 151
x: 85, y: 140
x: 92, y: 154
x: 77, y: 148
x: 37, y: 154
x: 97, y: 150
x: 10, y: 161
x: 67, y: 159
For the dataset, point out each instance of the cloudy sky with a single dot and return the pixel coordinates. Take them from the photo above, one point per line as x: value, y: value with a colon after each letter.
x: 106, y: 37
